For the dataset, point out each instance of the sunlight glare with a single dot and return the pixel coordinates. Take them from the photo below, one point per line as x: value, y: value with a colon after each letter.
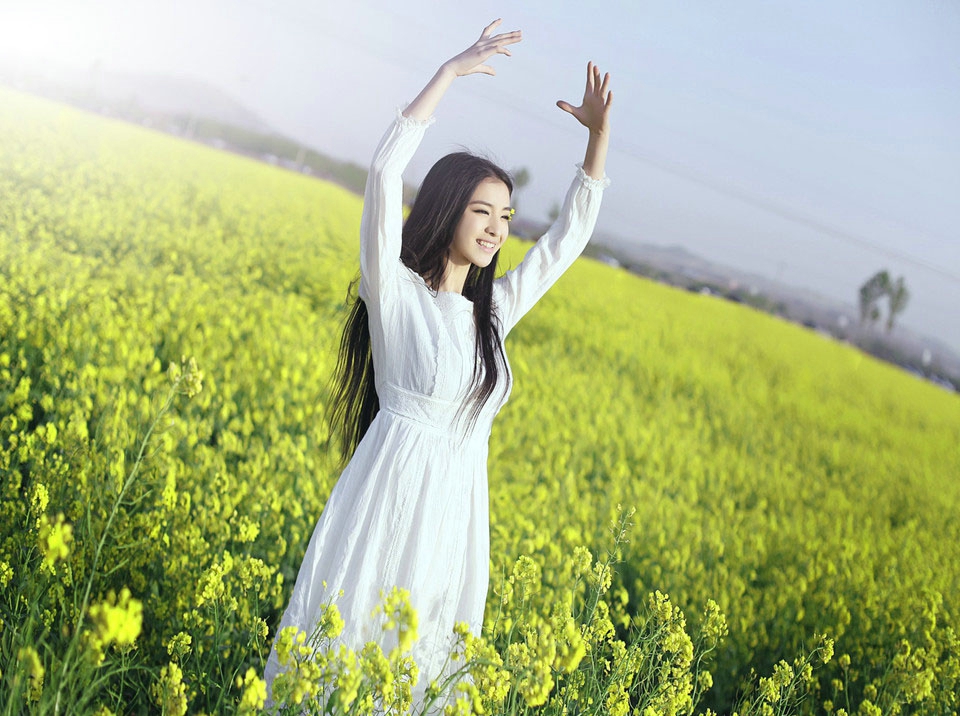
x: 48, y: 38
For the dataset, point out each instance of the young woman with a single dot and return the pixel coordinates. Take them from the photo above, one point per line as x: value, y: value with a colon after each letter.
x: 424, y: 373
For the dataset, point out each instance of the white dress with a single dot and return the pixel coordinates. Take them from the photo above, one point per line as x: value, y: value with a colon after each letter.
x: 411, y: 508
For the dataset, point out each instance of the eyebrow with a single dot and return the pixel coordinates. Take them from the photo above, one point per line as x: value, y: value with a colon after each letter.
x: 487, y: 203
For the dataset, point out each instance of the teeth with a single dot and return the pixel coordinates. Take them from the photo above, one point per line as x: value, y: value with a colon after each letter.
x: 487, y: 244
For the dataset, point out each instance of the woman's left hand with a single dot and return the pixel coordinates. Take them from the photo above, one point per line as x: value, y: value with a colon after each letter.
x: 594, y: 112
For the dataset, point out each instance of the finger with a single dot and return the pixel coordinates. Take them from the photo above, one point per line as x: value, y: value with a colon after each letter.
x: 606, y: 83
x: 565, y: 106
x: 609, y: 100
x: 589, y: 77
x: 508, y: 38
x: 490, y: 28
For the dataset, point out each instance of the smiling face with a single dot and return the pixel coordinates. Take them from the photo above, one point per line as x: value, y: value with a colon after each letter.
x: 484, y: 225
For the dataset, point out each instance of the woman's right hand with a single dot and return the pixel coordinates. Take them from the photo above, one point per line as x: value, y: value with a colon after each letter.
x: 467, y: 62
x: 473, y: 58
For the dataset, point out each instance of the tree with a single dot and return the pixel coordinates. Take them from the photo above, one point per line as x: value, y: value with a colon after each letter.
x: 898, y: 296
x: 877, y: 287
x: 870, y: 292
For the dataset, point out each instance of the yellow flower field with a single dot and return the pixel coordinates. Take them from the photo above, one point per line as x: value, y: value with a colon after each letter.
x: 695, y: 507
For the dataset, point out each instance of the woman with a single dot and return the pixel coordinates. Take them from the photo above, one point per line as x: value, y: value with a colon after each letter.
x: 424, y: 373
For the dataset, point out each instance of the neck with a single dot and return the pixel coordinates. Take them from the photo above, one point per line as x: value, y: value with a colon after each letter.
x: 454, y: 277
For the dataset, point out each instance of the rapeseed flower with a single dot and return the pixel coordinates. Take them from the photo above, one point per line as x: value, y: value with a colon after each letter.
x: 348, y: 678
x: 118, y: 620
x: 179, y: 645
x: 30, y: 662
x: 486, y: 665
x: 378, y: 672
x: 536, y: 682
x: 467, y: 701
x: 254, y: 693
x: 39, y: 499
x: 714, y: 626
x: 331, y: 623
x: 169, y: 692
x: 211, y: 587
x: 526, y: 574
x: 6, y: 573
x: 400, y: 615
x: 187, y: 377
x: 54, y: 541
x: 582, y: 560
x: 618, y: 701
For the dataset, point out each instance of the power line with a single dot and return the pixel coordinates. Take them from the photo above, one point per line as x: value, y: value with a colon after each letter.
x: 786, y: 213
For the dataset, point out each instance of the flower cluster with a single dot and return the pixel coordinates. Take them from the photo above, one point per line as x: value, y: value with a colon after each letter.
x: 169, y: 692
x: 116, y: 620
x: 318, y: 674
x: 54, y: 540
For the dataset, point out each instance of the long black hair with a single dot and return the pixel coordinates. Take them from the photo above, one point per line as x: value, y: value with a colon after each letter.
x: 427, y: 235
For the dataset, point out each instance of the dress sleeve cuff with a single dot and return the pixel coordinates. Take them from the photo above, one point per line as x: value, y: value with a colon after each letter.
x: 411, y: 122
x: 589, y: 182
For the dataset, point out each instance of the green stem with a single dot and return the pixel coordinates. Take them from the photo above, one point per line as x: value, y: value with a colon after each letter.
x: 103, y: 539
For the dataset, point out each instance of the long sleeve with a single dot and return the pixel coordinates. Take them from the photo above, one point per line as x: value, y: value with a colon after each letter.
x: 517, y: 291
x: 381, y: 224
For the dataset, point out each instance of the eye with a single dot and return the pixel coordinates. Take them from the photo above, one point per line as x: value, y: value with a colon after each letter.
x: 482, y: 211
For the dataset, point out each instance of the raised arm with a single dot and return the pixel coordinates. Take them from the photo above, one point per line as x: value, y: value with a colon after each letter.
x: 381, y: 226
x: 468, y: 62
x: 594, y: 114
x: 518, y: 290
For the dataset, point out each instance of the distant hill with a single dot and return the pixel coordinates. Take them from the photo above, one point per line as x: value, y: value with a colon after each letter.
x: 176, y: 95
x: 133, y: 92
x: 186, y: 107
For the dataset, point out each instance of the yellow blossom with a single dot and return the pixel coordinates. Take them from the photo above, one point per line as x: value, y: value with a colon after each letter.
x: 179, y: 645
x: 169, y: 692
x: 118, y: 620
x: 35, y: 671
x: 400, y: 615
x: 39, y: 499
x: 54, y: 540
x: 254, y: 693
x: 6, y: 573
x: 331, y: 623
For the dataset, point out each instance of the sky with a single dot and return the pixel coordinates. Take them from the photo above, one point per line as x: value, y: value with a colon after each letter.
x: 813, y: 142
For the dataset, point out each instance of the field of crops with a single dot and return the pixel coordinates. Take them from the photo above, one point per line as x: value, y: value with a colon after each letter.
x: 168, y: 321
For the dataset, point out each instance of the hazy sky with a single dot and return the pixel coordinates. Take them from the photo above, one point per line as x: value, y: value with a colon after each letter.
x: 812, y: 141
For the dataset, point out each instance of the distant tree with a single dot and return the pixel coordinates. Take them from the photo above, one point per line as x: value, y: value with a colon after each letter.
x: 881, y: 286
x: 870, y: 292
x: 521, y: 177
x: 898, y: 296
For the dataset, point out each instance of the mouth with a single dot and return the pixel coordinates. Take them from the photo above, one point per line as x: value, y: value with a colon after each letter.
x: 487, y: 245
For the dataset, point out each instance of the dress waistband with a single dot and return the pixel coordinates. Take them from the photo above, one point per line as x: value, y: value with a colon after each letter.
x: 442, y: 417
